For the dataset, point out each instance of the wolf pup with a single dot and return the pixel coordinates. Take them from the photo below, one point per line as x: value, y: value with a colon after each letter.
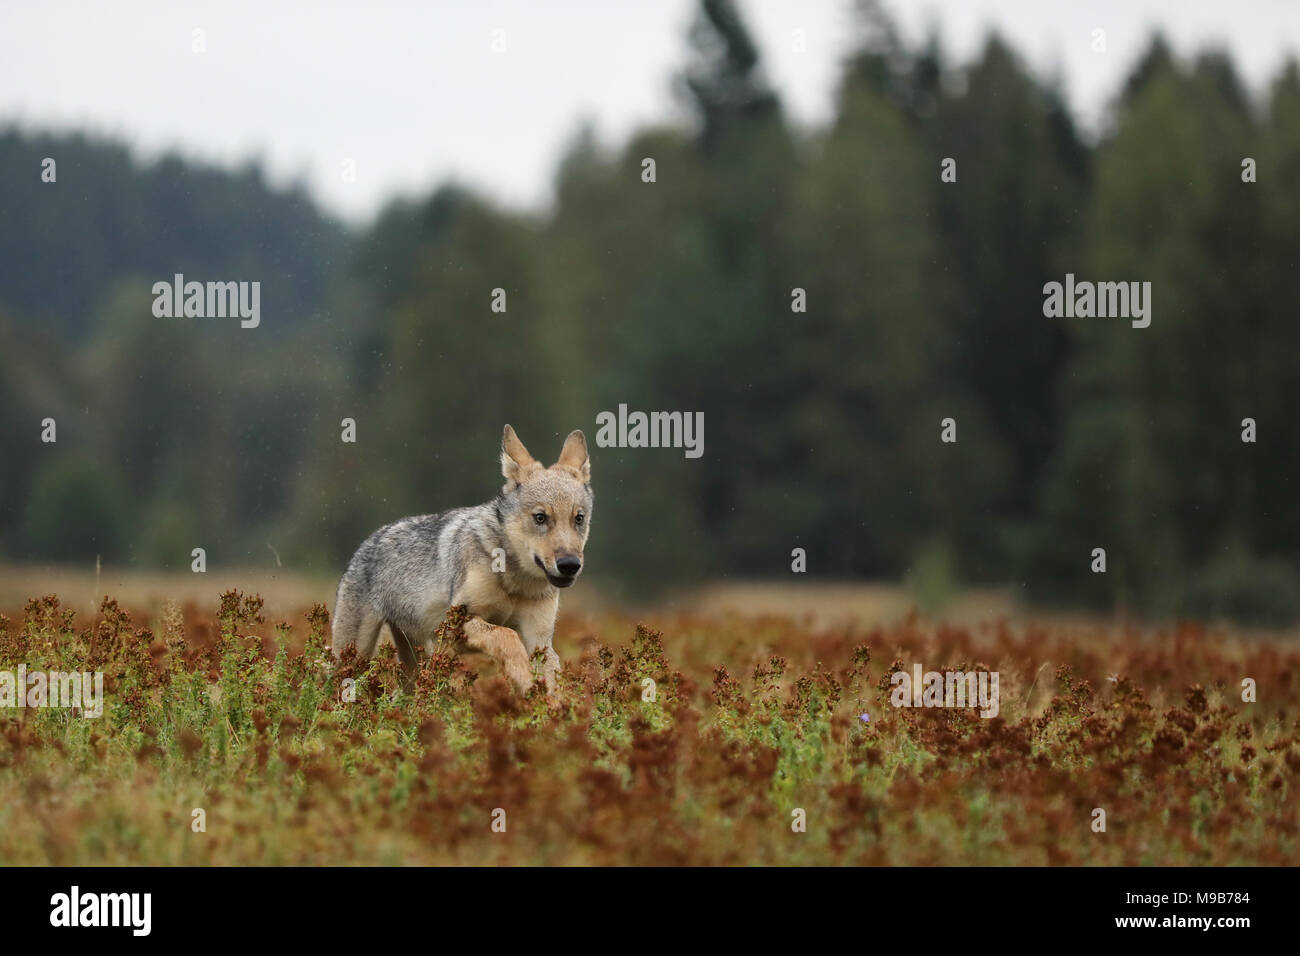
x: 505, y: 561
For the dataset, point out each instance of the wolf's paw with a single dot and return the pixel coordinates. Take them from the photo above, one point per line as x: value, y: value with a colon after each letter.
x: 520, y: 677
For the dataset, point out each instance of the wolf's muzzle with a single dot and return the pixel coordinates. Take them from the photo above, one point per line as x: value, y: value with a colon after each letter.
x: 568, y: 566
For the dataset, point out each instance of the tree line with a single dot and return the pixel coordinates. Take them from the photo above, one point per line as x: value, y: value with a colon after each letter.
x: 920, y: 298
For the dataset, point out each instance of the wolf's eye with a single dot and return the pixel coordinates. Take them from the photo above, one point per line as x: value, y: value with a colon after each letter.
x: 540, y: 517
x: 578, y: 520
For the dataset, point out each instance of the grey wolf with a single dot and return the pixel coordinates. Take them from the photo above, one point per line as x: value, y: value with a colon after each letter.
x: 505, y: 560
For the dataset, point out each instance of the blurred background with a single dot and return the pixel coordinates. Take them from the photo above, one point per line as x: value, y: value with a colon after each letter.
x: 486, y: 156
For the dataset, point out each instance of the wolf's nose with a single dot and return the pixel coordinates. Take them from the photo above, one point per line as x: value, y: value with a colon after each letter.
x: 568, y: 565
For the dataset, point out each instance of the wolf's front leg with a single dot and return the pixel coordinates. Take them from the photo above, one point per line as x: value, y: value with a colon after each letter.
x: 504, y: 646
x: 536, y: 623
x: 551, y: 671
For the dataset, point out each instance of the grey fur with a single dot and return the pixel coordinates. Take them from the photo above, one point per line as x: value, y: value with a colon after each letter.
x: 401, y: 567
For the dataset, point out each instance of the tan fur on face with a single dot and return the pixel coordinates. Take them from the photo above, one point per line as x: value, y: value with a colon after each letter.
x: 561, y: 492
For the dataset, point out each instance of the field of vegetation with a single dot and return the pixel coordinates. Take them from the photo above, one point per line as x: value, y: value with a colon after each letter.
x: 752, y: 719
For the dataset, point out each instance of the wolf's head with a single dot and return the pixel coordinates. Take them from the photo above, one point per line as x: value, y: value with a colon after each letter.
x: 547, y: 511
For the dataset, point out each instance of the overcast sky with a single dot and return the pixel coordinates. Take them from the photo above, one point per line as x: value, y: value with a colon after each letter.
x: 414, y: 93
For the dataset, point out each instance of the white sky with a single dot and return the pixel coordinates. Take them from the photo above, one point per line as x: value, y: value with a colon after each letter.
x: 414, y: 93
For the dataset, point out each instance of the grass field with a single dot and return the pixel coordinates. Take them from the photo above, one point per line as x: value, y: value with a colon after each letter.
x: 228, y: 709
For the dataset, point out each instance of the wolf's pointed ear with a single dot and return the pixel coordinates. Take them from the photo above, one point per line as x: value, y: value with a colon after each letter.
x: 574, y: 457
x: 516, y: 463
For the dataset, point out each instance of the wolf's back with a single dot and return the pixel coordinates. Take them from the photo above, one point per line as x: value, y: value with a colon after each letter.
x: 403, y: 565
